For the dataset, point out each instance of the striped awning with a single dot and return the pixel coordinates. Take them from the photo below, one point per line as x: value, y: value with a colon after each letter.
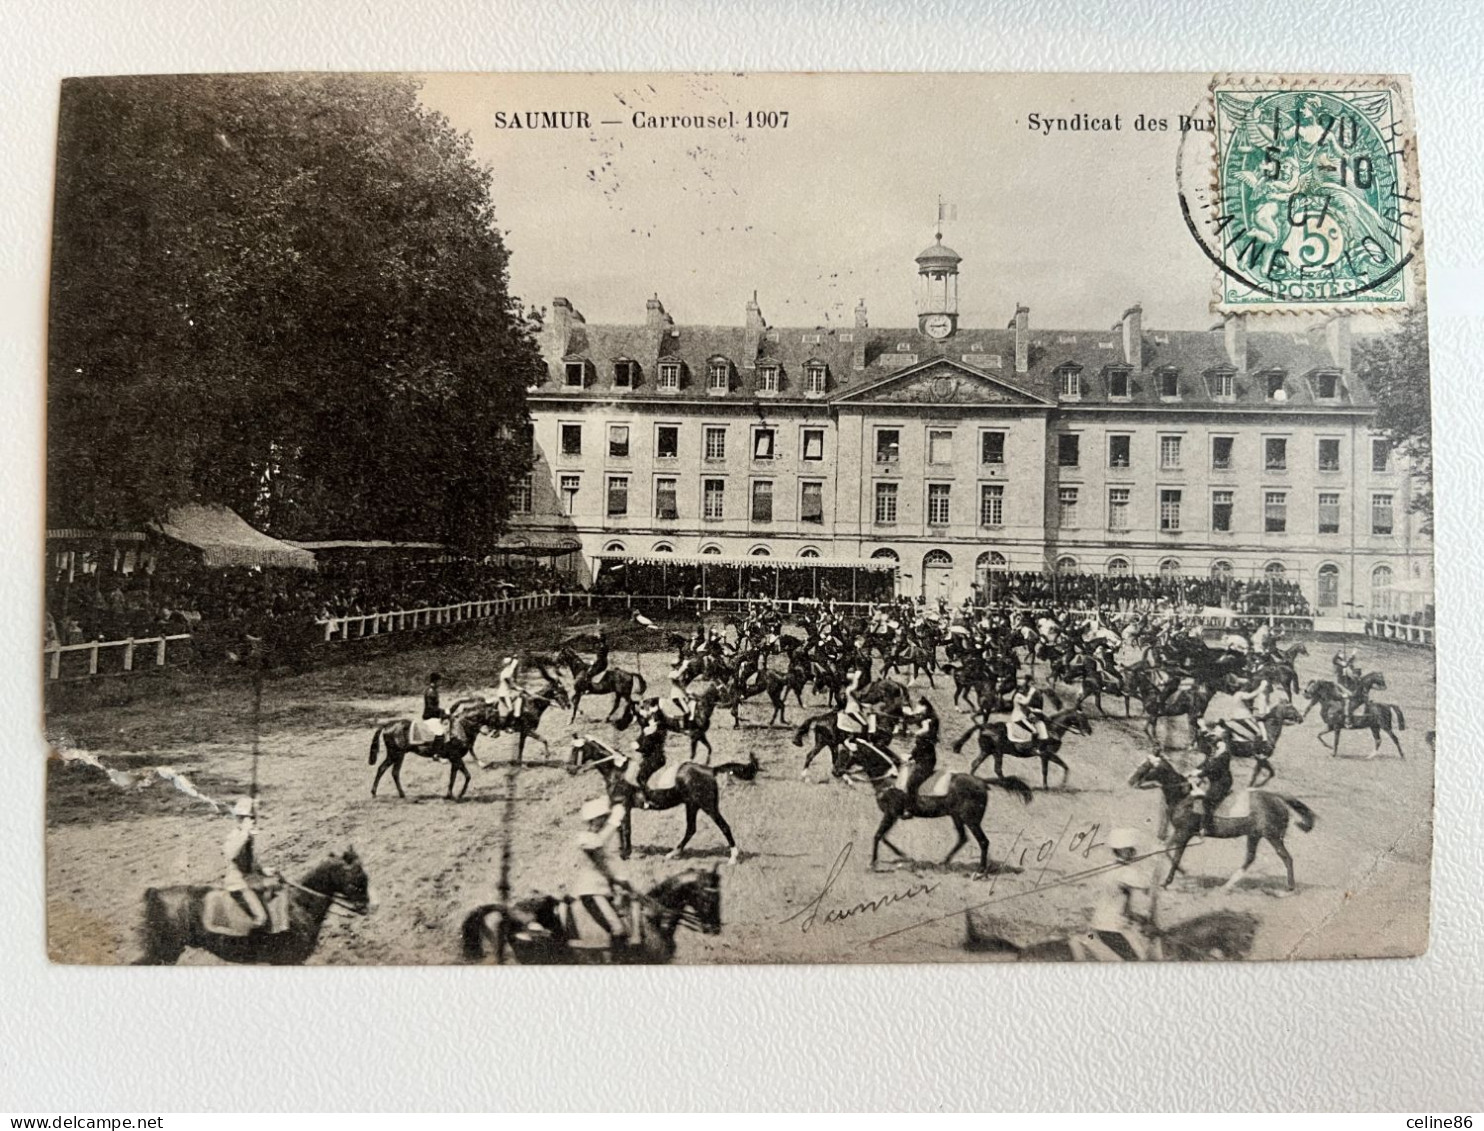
x: 79, y: 534
x: 761, y: 561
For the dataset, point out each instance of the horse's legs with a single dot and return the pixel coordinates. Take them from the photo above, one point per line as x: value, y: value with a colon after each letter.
x: 1066, y: 771
x: 468, y: 777
x: 978, y: 830
x: 381, y: 769
x: 726, y: 830
x: 963, y: 839
x: 576, y: 702
x: 887, y: 821
x: 1283, y: 854
x: 690, y: 830
x: 1252, y: 842
x: 983, y: 754
x: 1397, y: 743
x: 397, y: 775
x: 999, y: 763
x: 1180, y: 843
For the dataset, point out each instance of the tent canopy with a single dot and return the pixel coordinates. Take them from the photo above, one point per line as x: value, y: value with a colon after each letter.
x: 225, y: 540
x: 759, y: 561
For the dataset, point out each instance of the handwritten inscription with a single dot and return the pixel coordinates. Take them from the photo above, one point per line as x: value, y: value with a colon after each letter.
x: 810, y: 913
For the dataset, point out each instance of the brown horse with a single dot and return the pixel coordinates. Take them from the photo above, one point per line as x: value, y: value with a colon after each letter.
x: 523, y: 725
x: 465, y: 718
x: 1268, y: 819
x: 1338, y: 716
x: 173, y: 920
x: 535, y: 933
x: 625, y: 686
x: 995, y: 742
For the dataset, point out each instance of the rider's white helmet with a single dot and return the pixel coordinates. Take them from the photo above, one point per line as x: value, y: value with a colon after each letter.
x: 1123, y: 839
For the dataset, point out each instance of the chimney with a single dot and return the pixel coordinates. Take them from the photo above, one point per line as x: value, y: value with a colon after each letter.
x: 858, y: 361
x: 1133, y: 337
x: 556, y: 336
x: 860, y: 315
x: 1337, y: 333
x: 1236, y: 341
x: 1022, y: 338
x: 752, y: 340
x: 655, y: 317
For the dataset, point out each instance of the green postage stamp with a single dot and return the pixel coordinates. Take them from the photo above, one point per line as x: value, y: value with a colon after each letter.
x: 1314, y: 198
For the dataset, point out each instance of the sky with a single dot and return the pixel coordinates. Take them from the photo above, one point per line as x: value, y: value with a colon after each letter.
x: 833, y: 208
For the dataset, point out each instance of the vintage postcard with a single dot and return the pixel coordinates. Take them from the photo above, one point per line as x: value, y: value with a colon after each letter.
x: 738, y: 519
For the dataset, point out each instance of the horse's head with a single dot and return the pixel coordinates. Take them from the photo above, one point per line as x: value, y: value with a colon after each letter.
x: 1076, y: 719
x: 1155, y: 768
x: 557, y: 693
x: 584, y: 752
x: 344, y: 878
x: 1311, y: 689
x: 1374, y: 681
x: 696, y: 895
x: 1287, y: 713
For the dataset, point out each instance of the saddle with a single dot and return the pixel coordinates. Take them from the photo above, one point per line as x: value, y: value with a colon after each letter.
x: 1020, y: 734
x: 222, y: 914
x: 584, y: 932
x: 1237, y: 803
x: 664, y: 777
x: 937, y: 785
x: 424, y: 732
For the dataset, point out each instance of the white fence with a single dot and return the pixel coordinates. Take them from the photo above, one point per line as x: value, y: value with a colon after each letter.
x: 366, y: 625
x: 131, y: 656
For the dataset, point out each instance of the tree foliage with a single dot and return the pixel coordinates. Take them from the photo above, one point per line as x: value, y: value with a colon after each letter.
x: 1395, y: 368
x: 286, y: 294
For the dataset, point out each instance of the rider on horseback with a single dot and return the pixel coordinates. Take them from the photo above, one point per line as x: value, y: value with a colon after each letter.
x: 1347, y: 679
x: 597, y: 879
x: 1211, y: 782
x: 854, y: 710
x: 600, y: 660
x: 922, y: 723
x: 242, y: 868
x: 1125, y: 923
x: 434, y: 713
x: 650, y: 745
x: 510, y: 696
x: 1254, y: 705
x: 678, y: 693
x: 1028, y: 708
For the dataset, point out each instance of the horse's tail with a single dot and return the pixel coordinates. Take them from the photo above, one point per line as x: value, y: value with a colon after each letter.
x: 151, y: 924
x: 375, y: 746
x: 1013, y: 786
x: 639, y: 685
x: 1306, y: 816
x: 472, y: 933
x: 1401, y: 719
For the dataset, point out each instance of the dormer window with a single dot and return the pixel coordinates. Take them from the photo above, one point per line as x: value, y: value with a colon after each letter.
x: 1223, y: 385
x: 576, y: 374
x: 625, y: 373
x: 1327, y: 386
x: 1071, y: 383
x: 768, y: 379
x: 814, y: 379
x: 1169, y: 385
x: 1275, y: 384
x: 1118, y: 384
x: 718, y: 376
x: 669, y: 376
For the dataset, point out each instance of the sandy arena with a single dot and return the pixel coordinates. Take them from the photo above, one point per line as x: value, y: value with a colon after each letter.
x: 1362, y: 873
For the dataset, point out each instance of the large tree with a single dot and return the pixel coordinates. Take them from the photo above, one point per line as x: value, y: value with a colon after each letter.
x: 286, y: 294
x: 1395, y: 368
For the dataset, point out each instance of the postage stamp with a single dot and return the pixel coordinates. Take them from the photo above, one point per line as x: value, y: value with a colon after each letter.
x: 1315, y: 195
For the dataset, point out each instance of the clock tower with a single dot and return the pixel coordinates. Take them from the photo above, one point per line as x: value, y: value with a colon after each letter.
x: 937, y: 291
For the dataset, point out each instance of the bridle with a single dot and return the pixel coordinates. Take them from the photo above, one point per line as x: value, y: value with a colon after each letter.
x: 334, y: 899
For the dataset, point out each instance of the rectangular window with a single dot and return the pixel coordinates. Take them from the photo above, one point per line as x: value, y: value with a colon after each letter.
x: 520, y: 500
x: 888, y: 445
x: 814, y: 444
x: 1223, y: 385
x: 1275, y: 512
x: 669, y: 375
x: 768, y: 379
x: 811, y: 502
x: 1169, y: 384
x: 1275, y: 453
x: 814, y: 380
x: 667, y: 441
x: 713, y: 492
x: 716, y: 443
x: 938, y: 504
x: 1381, y: 521
x: 1120, y: 451
x: 576, y: 372
x: 718, y: 377
x: 1068, y: 449
x: 1329, y: 512
x: 1118, y: 384
x: 992, y: 504
x: 1329, y: 455
x: 1221, y: 452
x: 1071, y: 382
x: 1380, y: 453
x: 571, y: 439
x: 570, y: 484
x: 1066, y: 498
x: 992, y: 447
x: 1329, y: 386
x: 940, y: 447
x: 625, y: 374
x: 618, y: 496
x: 764, y: 444
x: 1118, y: 508
x: 1169, y: 510
x: 886, y: 503
x: 762, y: 501
x: 665, y: 502
x: 1169, y: 453
x: 1273, y: 383
x: 618, y: 441
x: 1221, y: 509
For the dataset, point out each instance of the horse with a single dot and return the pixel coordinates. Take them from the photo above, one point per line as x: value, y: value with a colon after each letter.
x: 173, y: 918
x: 995, y: 742
x: 694, y: 787
x: 1267, y: 820
x: 964, y: 802
x: 1087, y: 674
x: 1216, y: 936
x: 625, y: 686
x: 465, y: 718
x: 535, y: 933
x: 696, y: 726
x: 1280, y: 669
x: 918, y: 655
x: 825, y: 726
x: 775, y: 685
x: 1281, y: 715
x: 1338, y: 716
x: 533, y: 706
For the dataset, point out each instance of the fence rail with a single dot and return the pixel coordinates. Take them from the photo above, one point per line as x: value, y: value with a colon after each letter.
x: 364, y: 625
x: 114, y: 657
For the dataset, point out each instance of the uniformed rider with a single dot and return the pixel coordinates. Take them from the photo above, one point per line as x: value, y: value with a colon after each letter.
x: 1028, y: 708
x: 922, y: 725
x: 597, y: 879
x: 509, y: 695
x: 241, y: 864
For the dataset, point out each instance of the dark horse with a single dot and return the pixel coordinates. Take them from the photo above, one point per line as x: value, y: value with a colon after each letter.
x: 995, y: 742
x: 172, y: 918
x: 465, y: 718
x: 625, y: 686
x: 534, y: 933
x: 889, y: 698
x: 1268, y: 819
x: 533, y: 706
x: 1215, y: 936
x: 1338, y: 717
x: 695, y: 788
x: 964, y: 803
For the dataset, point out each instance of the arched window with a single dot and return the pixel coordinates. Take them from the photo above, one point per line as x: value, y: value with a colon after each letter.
x: 760, y: 552
x: 991, y: 559
x: 1275, y: 570
x: 1066, y: 564
x: 1221, y: 570
x: 808, y: 552
x: 1381, y: 596
x: 1169, y: 568
x: 886, y: 555
x: 711, y: 549
x: 937, y: 558
x: 1118, y: 567
x: 1329, y: 586
x: 662, y: 548
x: 614, y: 548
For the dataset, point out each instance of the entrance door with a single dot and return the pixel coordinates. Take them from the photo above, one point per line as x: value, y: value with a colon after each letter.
x: 937, y: 576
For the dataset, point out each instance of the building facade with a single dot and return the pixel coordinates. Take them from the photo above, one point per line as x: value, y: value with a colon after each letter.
x: 959, y: 451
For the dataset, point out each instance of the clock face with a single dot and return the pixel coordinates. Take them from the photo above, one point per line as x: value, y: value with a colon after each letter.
x: 937, y: 326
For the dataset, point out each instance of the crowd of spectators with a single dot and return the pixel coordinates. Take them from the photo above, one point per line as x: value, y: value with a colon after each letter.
x: 177, y: 598
x: 1265, y: 595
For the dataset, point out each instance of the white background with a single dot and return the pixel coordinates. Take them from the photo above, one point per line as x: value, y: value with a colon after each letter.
x: 1371, y: 1035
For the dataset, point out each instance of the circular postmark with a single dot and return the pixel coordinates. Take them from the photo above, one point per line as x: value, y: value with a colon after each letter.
x: 1302, y: 196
